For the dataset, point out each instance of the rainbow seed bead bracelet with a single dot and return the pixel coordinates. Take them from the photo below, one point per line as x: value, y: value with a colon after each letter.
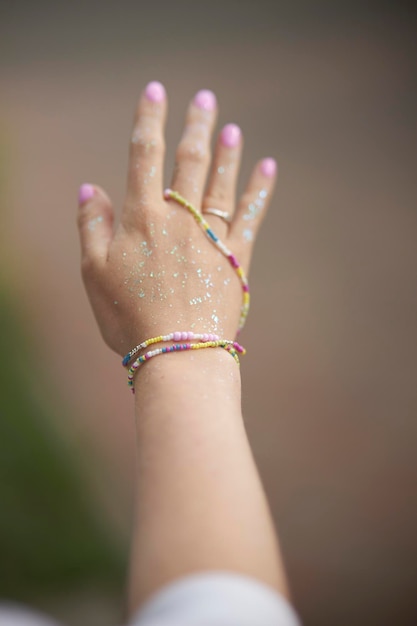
x: 176, y: 336
x: 169, y: 194
x: 233, y: 347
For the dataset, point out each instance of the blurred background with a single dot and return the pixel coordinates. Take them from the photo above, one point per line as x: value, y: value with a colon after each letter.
x: 330, y: 393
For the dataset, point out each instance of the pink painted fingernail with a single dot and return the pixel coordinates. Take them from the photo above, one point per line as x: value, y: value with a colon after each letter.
x: 205, y: 99
x: 269, y: 167
x: 155, y: 92
x: 230, y: 135
x: 85, y: 193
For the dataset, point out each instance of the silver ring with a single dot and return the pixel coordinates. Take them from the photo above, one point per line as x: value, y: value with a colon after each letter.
x: 222, y: 214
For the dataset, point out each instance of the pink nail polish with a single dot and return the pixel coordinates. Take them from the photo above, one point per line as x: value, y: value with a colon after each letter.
x: 155, y: 92
x: 85, y: 193
x: 205, y: 99
x: 230, y: 135
x: 269, y: 167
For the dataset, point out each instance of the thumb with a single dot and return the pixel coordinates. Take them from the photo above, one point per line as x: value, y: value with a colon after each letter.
x: 95, y: 222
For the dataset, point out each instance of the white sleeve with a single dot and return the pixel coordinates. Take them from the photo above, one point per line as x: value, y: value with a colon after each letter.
x: 18, y: 615
x: 216, y: 599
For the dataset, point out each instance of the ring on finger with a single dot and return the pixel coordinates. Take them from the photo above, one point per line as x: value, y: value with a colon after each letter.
x: 224, y: 215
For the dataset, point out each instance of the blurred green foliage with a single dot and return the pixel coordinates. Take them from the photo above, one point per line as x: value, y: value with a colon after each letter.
x: 51, y: 538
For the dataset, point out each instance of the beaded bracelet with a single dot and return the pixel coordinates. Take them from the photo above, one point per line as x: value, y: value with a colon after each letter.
x: 206, y: 341
x: 169, y: 194
x: 176, y: 336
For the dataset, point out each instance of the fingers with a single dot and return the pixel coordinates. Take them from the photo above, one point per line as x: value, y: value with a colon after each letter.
x: 221, y: 190
x: 193, y: 152
x: 147, y: 150
x: 95, y: 223
x: 253, y: 204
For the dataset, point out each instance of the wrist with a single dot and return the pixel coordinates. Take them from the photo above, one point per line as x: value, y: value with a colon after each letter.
x: 207, y: 376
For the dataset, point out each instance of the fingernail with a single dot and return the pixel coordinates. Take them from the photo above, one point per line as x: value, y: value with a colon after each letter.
x: 85, y: 193
x: 155, y: 92
x: 230, y: 135
x: 205, y: 99
x: 269, y: 167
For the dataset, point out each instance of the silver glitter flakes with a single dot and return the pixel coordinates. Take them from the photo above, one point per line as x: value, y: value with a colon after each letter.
x: 255, y: 207
x: 247, y: 234
x: 144, y: 249
x: 93, y: 223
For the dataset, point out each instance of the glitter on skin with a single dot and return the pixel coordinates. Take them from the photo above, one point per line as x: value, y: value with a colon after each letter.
x: 254, y: 208
x: 145, y: 250
x: 252, y: 212
x: 161, y: 287
x: 142, y: 139
x: 247, y: 234
x: 221, y: 170
x: 93, y: 223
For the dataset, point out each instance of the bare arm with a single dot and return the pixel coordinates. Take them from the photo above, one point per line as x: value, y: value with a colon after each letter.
x: 200, y: 503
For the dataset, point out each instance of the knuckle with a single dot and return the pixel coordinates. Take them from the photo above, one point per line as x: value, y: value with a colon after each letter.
x: 194, y: 152
x: 83, y: 218
x: 147, y: 143
x: 89, y: 220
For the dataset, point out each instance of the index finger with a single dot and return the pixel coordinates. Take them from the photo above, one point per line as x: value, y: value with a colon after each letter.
x: 147, y: 151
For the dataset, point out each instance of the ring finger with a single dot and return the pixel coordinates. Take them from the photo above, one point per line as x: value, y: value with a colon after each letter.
x: 221, y: 191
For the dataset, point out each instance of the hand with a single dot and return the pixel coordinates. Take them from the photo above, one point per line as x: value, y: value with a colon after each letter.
x: 158, y: 272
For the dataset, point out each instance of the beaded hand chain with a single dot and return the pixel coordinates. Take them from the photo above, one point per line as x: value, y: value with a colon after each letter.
x: 174, y: 195
x: 205, y: 340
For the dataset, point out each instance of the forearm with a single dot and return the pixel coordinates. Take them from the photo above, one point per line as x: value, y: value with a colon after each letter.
x: 200, y: 503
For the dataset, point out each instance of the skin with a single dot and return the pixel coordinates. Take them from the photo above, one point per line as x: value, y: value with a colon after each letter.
x: 200, y: 502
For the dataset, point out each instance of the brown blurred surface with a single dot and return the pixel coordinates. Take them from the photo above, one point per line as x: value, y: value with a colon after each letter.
x: 330, y: 379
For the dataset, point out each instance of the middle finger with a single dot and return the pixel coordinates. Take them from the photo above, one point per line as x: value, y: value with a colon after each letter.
x: 193, y: 152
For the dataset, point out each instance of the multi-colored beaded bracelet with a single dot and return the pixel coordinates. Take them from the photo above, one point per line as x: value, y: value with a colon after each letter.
x: 176, y: 336
x: 231, y: 346
x: 169, y: 194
